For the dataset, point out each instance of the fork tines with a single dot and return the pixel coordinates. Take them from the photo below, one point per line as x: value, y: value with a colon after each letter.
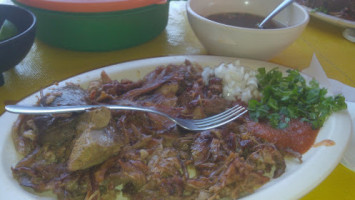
x: 221, y: 118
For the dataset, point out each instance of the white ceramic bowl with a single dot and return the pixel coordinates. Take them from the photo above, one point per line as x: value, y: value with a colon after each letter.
x: 260, y: 44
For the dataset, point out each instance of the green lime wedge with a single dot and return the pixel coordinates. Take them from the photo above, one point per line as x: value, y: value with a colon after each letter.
x: 7, y: 30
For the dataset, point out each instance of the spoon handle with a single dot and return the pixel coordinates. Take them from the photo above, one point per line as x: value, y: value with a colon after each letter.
x: 278, y: 9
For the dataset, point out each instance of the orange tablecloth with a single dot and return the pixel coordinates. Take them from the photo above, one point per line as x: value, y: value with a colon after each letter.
x: 44, y: 65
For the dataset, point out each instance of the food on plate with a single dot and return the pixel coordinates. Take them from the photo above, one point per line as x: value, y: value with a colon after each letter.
x: 102, y: 154
x: 339, y: 8
x: 290, y: 97
x: 238, y: 81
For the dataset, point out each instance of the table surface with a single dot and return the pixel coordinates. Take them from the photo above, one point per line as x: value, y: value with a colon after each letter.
x: 45, y: 65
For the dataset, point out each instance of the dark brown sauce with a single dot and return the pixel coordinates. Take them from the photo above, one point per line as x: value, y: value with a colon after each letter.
x: 243, y: 20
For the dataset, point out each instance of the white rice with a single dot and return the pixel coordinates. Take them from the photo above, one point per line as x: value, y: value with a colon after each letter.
x: 238, y: 82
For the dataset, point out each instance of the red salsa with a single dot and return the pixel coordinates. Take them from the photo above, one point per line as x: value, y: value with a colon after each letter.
x: 298, y: 136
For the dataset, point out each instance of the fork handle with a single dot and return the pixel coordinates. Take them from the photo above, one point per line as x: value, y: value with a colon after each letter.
x: 18, y: 109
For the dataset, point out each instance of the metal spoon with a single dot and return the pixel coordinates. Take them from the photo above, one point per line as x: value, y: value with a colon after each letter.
x: 278, y: 9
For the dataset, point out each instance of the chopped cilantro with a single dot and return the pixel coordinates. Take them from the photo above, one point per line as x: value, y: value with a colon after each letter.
x: 290, y: 97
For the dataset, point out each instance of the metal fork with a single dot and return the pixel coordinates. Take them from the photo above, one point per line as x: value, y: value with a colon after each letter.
x: 189, y: 124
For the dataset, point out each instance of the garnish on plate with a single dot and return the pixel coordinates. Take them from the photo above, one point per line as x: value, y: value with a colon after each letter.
x: 290, y: 97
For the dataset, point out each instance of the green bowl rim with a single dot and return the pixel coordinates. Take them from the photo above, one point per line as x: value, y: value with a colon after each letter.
x: 120, y: 12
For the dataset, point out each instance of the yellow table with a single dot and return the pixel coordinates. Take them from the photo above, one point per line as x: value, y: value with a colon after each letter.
x: 44, y: 65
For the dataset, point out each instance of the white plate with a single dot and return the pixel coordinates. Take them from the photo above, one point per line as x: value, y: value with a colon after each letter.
x: 298, y: 179
x: 331, y: 19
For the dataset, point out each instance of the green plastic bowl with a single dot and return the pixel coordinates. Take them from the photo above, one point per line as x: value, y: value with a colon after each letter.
x: 100, y: 31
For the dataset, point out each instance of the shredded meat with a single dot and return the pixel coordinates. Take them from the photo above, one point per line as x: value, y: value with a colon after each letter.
x: 339, y: 8
x: 100, y: 154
